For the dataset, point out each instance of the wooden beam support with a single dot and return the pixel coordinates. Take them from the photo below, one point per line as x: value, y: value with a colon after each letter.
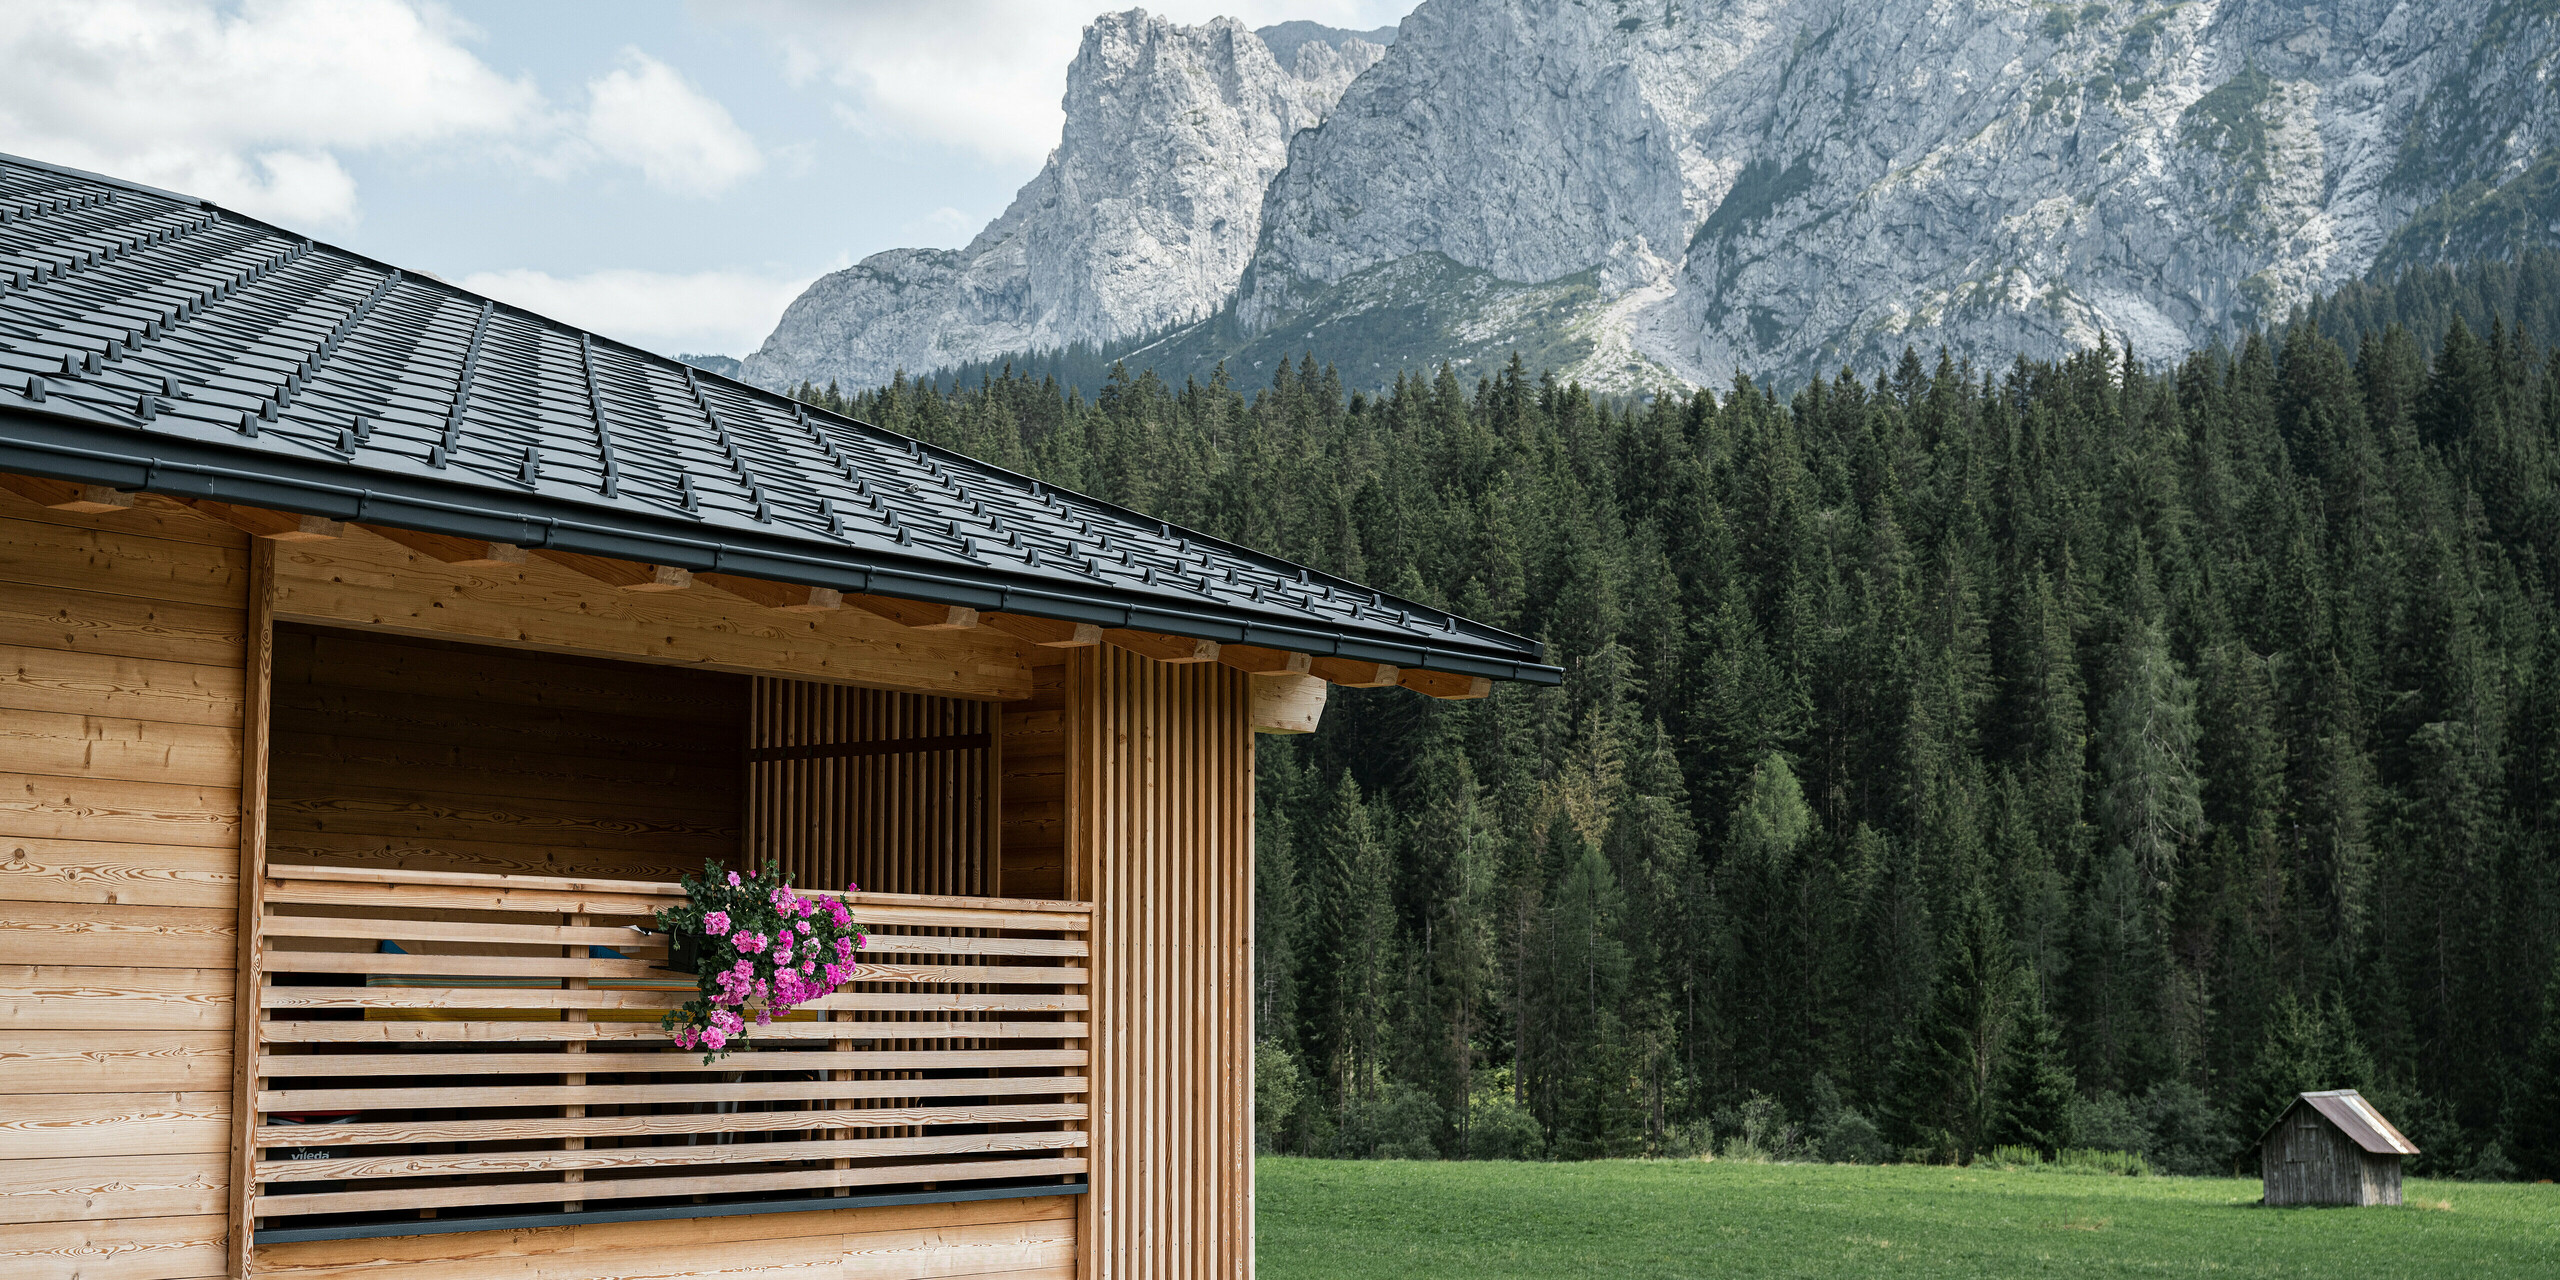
x: 1441, y: 684
x: 1260, y: 661
x: 790, y: 597
x: 626, y: 574
x: 468, y: 553
x: 1163, y: 648
x: 1353, y: 674
x: 1287, y: 703
x: 917, y: 613
x: 1048, y: 632
x: 63, y: 495
x: 275, y: 526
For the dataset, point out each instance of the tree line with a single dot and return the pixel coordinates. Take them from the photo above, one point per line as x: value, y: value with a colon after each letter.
x: 2077, y: 753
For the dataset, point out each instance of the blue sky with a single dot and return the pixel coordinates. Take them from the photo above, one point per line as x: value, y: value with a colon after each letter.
x: 669, y: 173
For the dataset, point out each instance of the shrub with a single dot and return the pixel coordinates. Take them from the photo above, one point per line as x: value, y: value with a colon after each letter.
x: 1399, y: 1123
x: 1499, y: 1128
x: 1279, y: 1089
x: 2187, y: 1133
x: 2106, y: 1122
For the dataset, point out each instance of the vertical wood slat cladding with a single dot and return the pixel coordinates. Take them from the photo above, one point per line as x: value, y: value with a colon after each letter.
x: 1162, y: 810
x: 1032, y: 829
x: 414, y: 755
x: 121, y: 697
x: 893, y: 821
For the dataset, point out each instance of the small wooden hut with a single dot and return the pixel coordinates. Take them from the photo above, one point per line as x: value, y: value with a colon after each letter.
x: 373, y: 657
x: 2332, y: 1148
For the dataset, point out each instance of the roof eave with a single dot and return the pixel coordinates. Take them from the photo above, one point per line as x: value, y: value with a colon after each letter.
x: 71, y: 444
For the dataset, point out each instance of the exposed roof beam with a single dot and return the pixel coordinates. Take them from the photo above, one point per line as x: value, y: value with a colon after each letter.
x: 917, y: 613
x: 275, y: 526
x: 1441, y: 684
x: 625, y: 574
x: 1163, y: 648
x: 1352, y: 673
x: 1262, y: 661
x: 1048, y: 632
x: 790, y: 597
x: 468, y: 553
x: 1285, y: 703
x: 63, y: 495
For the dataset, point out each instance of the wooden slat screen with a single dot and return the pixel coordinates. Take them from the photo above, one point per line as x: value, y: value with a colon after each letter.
x: 891, y: 791
x: 493, y: 1064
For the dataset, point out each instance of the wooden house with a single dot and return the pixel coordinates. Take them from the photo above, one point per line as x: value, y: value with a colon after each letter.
x: 2332, y: 1148
x: 373, y: 658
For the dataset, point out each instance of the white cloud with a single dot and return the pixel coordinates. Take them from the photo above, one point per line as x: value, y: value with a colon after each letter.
x: 245, y: 107
x: 719, y: 312
x: 645, y: 115
x: 943, y: 226
x: 985, y: 75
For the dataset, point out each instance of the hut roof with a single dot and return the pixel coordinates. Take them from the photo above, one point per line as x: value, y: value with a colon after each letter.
x: 2355, y: 1118
x: 150, y: 340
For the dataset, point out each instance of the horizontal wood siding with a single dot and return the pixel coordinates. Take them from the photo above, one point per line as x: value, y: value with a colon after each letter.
x: 121, y: 694
x: 1026, y: 1239
x: 1164, y: 813
x: 399, y: 753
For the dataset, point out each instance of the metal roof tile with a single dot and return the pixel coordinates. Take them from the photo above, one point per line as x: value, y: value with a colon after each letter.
x: 135, y: 323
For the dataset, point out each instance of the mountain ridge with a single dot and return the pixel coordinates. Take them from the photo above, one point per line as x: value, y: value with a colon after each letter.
x: 1666, y: 194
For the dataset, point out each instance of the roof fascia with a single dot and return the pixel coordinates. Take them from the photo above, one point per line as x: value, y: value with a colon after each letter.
x: 64, y: 447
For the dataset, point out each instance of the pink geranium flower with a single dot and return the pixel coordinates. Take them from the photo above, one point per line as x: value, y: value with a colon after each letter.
x: 716, y: 924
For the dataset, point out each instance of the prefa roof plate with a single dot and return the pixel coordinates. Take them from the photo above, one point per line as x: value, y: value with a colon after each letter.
x: 151, y: 340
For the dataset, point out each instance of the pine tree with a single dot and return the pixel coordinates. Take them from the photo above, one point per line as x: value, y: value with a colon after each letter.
x: 1947, y: 1081
x: 2036, y: 1089
x: 2533, y: 1122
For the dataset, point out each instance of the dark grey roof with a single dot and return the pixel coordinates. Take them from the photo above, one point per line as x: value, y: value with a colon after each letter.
x: 150, y: 340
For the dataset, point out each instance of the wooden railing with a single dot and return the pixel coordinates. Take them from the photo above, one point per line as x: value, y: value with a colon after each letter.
x: 448, y: 1044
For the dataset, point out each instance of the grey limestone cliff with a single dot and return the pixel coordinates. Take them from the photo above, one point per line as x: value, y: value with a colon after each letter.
x: 1142, y: 218
x: 1779, y: 186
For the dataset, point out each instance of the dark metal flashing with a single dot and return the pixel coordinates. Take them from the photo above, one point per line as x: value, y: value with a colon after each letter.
x: 529, y: 1221
x: 260, y: 368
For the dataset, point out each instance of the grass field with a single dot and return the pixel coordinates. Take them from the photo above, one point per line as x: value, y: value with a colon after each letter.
x: 1490, y: 1221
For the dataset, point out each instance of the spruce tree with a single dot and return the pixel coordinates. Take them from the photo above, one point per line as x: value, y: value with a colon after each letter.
x: 2036, y: 1089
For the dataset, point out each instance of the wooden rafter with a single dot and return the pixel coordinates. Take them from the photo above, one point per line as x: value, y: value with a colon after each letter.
x: 1353, y: 674
x: 917, y: 613
x: 1442, y: 684
x: 626, y: 574
x: 63, y: 495
x: 1287, y: 703
x: 1161, y: 647
x: 469, y: 553
x: 1261, y: 661
x: 276, y: 526
x: 790, y: 597
x: 1047, y: 632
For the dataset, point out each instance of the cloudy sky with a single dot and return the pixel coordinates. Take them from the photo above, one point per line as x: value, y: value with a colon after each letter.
x: 668, y: 173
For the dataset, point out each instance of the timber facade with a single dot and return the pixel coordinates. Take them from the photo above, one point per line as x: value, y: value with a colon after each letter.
x: 377, y: 659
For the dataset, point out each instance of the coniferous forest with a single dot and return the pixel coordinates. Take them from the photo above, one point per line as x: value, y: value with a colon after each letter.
x: 2085, y: 754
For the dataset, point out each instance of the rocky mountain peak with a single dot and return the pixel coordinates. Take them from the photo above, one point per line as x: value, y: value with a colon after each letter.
x: 1143, y: 217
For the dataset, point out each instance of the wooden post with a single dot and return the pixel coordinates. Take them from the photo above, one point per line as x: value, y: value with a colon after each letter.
x: 258, y: 668
x: 574, y: 1110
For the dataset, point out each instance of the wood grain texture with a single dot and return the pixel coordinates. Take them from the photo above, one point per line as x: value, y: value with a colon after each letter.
x: 118, y: 936
x: 101, y: 624
x: 367, y: 583
x: 79, y: 744
x: 1163, y: 820
x: 91, y: 555
x: 37, y: 679
x: 54, y: 997
x: 45, y: 870
x: 173, y: 1248
x: 113, y: 1124
x: 46, y: 1062
x: 997, y: 1239
x: 109, y: 1188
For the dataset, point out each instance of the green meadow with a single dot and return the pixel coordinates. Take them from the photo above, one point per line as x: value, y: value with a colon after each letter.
x: 1346, y: 1220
